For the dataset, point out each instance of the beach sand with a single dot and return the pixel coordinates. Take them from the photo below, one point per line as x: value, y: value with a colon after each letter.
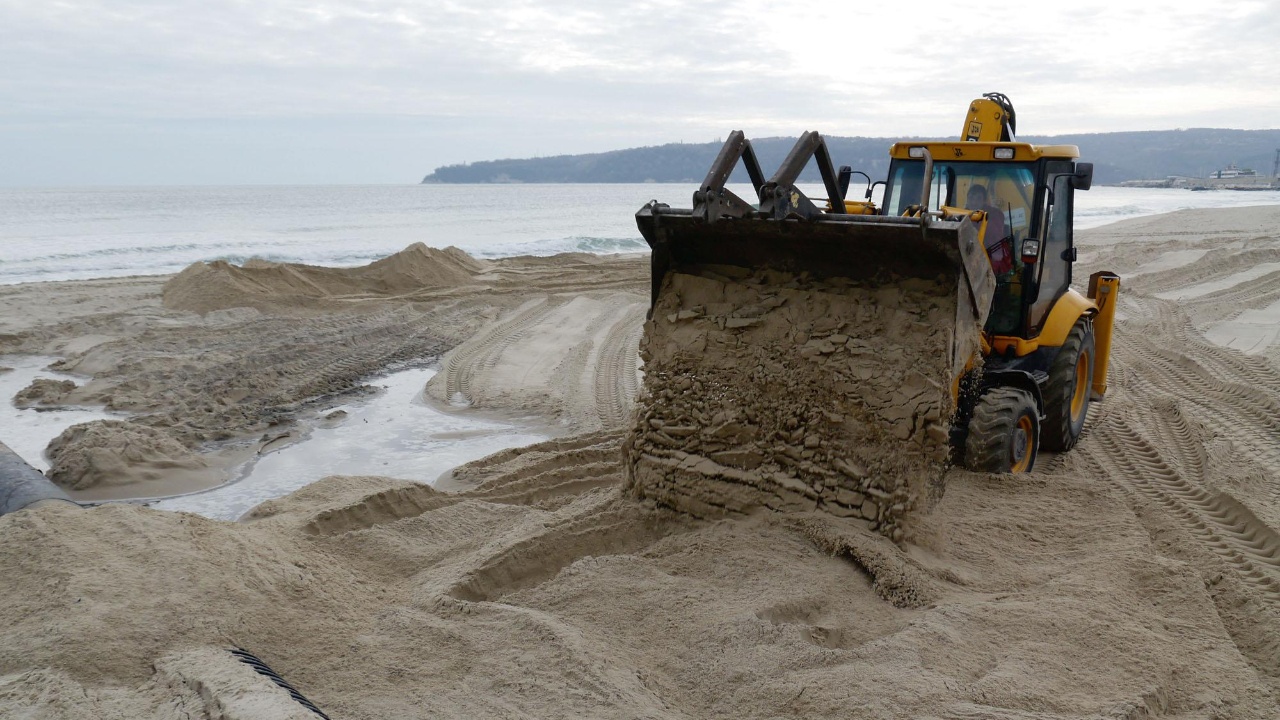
x: 1136, y: 576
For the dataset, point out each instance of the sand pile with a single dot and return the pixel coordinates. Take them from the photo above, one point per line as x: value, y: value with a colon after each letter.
x: 272, y: 287
x: 115, y: 452
x: 571, y: 357
x: 418, y: 267
x: 768, y: 390
x: 44, y: 391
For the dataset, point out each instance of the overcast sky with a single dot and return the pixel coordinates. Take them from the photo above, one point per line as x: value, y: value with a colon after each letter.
x: 294, y: 91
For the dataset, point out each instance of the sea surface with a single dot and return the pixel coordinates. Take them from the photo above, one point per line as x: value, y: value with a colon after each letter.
x: 76, y: 233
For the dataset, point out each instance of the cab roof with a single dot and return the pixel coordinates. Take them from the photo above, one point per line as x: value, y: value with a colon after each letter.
x: 984, y: 151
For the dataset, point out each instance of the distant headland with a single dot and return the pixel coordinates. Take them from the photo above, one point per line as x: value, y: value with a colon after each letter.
x: 1117, y: 157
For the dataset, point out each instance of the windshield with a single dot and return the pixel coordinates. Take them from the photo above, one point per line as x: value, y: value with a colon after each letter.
x: 1006, y: 187
x: 1006, y: 192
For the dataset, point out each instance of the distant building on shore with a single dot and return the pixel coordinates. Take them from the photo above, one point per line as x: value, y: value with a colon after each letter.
x: 1231, y: 171
x: 1228, y: 178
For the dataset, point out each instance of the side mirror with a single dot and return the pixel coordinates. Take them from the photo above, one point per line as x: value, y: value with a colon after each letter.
x: 1083, y: 177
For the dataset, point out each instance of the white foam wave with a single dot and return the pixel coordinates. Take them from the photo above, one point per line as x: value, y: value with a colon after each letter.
x: 85, y: 233
x: 554, y: 246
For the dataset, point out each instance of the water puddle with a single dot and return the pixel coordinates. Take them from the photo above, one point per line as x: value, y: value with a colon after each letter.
x: 395, y: 434
x: 28, y: 431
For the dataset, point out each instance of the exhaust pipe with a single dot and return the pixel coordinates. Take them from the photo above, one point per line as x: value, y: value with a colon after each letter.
x: 23, y: 486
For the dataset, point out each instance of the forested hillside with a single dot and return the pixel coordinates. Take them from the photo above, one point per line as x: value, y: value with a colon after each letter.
x: 1116, y: 157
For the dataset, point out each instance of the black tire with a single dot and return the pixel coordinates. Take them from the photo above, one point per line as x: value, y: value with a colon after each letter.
x: 1003, y: 433
x: 1066, y: 393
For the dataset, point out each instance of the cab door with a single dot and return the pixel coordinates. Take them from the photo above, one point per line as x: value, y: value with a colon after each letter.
x: 1057, y: 252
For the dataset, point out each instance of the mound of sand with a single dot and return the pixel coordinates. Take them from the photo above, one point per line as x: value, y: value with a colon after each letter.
x: 114, y: 452
x: 272, y: 287
x: 571, y: 357
x: 44, y: 391
x: 417, y: 267
x: 772, y: 391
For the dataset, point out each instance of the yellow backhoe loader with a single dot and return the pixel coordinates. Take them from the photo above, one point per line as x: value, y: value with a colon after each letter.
x: 990, y: 215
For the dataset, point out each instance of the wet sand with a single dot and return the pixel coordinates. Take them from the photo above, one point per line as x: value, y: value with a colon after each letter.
x: 1136, y: 576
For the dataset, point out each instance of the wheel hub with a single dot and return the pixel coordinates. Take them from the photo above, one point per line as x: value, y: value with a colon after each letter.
x: 1019, y: 444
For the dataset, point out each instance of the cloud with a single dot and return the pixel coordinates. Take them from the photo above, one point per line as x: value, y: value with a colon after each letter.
x: 561, y: 76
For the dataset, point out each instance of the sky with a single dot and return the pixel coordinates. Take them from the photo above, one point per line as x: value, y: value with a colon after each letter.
x: 140, y: 92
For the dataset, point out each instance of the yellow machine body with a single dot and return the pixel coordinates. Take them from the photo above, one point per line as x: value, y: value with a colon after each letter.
x: 987, y: 121
x: 983, y: 151
x: 1047, y: 365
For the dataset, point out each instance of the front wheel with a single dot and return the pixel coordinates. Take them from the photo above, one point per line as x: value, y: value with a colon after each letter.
x: 1004, y: 432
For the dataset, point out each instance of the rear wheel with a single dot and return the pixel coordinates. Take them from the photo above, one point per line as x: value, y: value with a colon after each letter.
x: 1066, y: 393
x: 1003, y: 433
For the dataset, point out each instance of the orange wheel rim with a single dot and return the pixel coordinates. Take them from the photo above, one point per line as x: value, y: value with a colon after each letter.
x: 1023, y: 446
x: 1082, y: 387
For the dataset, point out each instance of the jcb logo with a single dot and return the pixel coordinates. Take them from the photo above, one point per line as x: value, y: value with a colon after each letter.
x: 975, y: 131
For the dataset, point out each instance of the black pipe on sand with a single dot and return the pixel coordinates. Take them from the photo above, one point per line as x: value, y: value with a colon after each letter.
x: 23, y: 486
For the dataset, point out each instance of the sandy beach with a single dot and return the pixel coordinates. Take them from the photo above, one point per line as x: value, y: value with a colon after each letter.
x: 1136, y: 576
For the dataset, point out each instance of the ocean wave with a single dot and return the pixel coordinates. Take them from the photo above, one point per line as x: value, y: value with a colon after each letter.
x: 106, y: 252
x: 553, y: 246
x: 1113, y: 211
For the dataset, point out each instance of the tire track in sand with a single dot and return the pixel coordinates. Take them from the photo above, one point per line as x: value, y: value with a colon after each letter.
x: 1235, y: 396
x: 1221, y: 524
x: 1208, y: 268
x: 486, y: 347
x: 1168, y: 321
x: 616, y: 383
x: 1209, y: 390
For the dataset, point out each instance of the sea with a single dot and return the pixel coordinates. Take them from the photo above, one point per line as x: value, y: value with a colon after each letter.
x: 89, y: 232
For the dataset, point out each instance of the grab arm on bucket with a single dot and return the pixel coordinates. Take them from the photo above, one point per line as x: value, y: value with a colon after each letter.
x: 712, y: 201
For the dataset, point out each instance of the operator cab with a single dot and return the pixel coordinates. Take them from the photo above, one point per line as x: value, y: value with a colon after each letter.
x: 1032, y: 189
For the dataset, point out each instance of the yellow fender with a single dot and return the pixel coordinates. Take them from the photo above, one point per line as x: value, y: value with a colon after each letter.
x: 1101, y: 305
x: 1069, y: 308
x: 1066, y: 311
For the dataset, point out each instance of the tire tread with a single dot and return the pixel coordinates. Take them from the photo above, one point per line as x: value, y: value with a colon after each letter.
x: 1057, y: 432
x: 994, y: 418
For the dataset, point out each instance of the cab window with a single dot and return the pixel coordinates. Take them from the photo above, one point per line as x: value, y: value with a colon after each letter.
x: 1055, y: 269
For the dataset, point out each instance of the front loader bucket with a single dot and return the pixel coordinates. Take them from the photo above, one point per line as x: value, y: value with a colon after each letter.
x: 800, y: 359
x: 865, y: 250
x: 857, y: 247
